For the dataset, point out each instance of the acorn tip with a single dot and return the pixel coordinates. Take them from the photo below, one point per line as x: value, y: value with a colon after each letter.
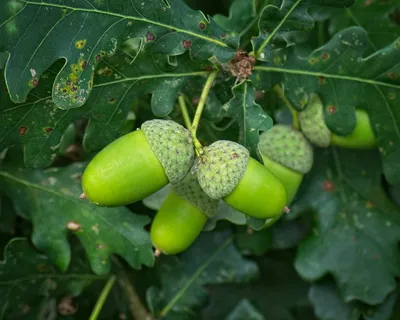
x: 286, y: 209
x: 157, y: 253
x: 82, y: 196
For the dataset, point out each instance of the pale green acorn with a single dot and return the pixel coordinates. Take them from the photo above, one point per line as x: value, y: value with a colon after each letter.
x: 182, y: 216
x: 226, y: 171
x: 313, y: 125
x: 139, y: 163
x: 288, y: 155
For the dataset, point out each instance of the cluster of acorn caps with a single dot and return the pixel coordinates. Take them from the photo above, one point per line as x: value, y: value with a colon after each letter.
x: 161, y: 152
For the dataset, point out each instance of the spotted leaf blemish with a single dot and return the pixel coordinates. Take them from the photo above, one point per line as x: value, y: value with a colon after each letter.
x: 202, y: 25
x: 325, y: 56
x: 328, y: 186
x: 22, y: 130
x: 313, y: 60
x: 112, y: 100
x: 331, y: 109
x: 73, y: 226
x: 186, y: 44
x: 33, y: 83
x: 321, y: 80
x: 80, y: 44
x: 150, y: 36
x: 47, y: 130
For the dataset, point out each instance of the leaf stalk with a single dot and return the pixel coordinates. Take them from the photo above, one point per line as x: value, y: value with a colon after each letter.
x: 295, y: 115
x: 103, y: 297
x: 199, y: 111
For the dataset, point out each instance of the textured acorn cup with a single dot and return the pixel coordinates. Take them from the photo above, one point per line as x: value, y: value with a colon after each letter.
x: 139, y: 163
x: 226, y: 171
x: 182, y: 216
x: 312, y: 123
x: 288, y: 155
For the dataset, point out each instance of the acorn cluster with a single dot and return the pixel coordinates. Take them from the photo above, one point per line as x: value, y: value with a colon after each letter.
x: 161, y: 152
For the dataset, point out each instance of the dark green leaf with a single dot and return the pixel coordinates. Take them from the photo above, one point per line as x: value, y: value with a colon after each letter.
x: 329, y: 306
x: 241, y: 14
x: 377, y: 18
x: 251, y: 117
x: 119, y: 82
x: 344, y: 80
x: 7, y: 216
x: 211, y: 260
x: 37, y: 33
x: 291, y: 16
x: 245, y: 310
x: 357, y: 227
x: 27, y: 276
x: 50, y: 199
x: 277, y: 295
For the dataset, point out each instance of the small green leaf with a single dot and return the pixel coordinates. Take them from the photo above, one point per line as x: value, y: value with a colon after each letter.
x: 38, y: 33
x: 27, y: 276
x: 211, y: 260
x: 251, y: 117
x: 245, y: 310
x: 381, y: 32
x: 50, y: 199
x: 356, y: 225
x: 241, y: 14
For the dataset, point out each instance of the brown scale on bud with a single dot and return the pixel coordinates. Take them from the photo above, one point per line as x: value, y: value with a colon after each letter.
x: 242, y: 65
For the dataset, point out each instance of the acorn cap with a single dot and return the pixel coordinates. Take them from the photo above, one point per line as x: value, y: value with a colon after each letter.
x: 221, y: 167
x: 288, y: 147
x: 313, y: 124
x: 190, y: 190
x: 172, y: 145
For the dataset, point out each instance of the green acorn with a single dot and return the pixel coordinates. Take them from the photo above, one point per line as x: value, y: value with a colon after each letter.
x: 139, y: 163
x: 226, y: 171
x: 182, y: 216
x: 313, y: 125
x: 288, y: 155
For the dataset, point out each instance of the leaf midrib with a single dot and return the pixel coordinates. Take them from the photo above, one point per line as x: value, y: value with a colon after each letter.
x: 122, y: 16
x: 327, y: 75
x: 195, y: 275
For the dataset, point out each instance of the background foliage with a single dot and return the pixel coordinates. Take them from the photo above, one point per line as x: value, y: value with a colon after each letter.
x: 76, y: 74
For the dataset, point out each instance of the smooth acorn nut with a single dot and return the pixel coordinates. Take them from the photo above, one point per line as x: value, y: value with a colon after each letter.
x: 362, y: 136
x: 226, y: 171
x: 313, y: 125
x: 139, y: 163
x: 181, y: 217
x: 288, y: 155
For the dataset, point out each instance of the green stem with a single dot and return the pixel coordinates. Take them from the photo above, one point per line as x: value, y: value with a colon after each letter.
x: 199, y: 110
x: 184, y: 111
x: 279, y: 91
x: 135, y: 304
x: 272, y: 34
x: 103, y: 296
